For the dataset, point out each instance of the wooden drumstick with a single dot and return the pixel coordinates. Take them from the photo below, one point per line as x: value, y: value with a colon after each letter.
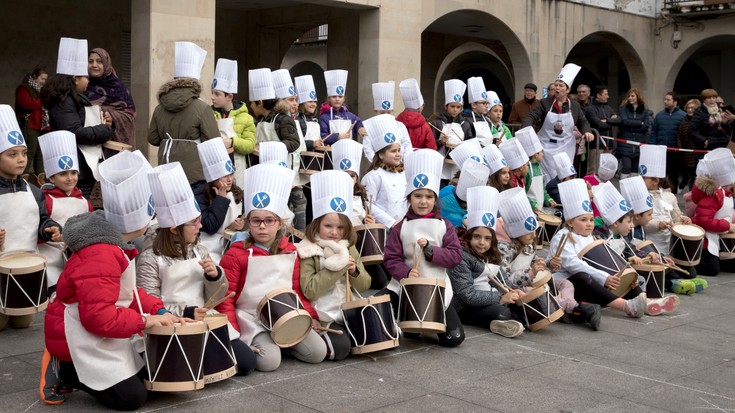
x: 434, y: 126
x: 348, y: 289
x: 499, y: 284
x: 329, y: 330
x: 442, y: 132
x: 561, y: 245
x: 216, y: 293
x: 220, y: 301
x: 370, y: 205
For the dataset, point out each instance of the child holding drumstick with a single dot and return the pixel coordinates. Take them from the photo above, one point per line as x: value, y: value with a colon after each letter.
x: 424, y: 229
x: 499, y: 171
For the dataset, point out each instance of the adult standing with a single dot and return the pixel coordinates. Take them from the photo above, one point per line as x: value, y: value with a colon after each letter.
x: 664, y: 131
x: 583, y: 95
x: 554, y: 120
x: 635, y: 125
x: 601, y: 117
x: 688, y: 159
x: 32, y: 116
x: 711, y: 127
x: 182, y: 120
x: 110, y: 93
x: 520, y: 109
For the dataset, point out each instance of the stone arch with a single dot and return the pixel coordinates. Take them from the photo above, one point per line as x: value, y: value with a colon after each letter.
x: 720, y: 48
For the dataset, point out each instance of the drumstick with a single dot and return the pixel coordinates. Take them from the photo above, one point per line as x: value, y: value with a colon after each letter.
x: 561, y: 245
x: 329, y: 330
x: 216, y: 293
x: 442, y: 132
x: 348, y: 292
x: 220, y: 301
x: 370, y: 205
x: 499, y: 284
x: 350, y: 129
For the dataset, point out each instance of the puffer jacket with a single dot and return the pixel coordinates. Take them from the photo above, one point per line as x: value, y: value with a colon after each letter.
x: 187, y: 119
x: 709, y: 197
x: 91, y: 278
x: 635, y: 125
x: 327, y: 113
x: 285, y: 126
x: 453, y: 209
x: 244, y: 124
x: 463, y: 278
x: 418, y: 129
x: 701, y: 131
x: 666, y: 125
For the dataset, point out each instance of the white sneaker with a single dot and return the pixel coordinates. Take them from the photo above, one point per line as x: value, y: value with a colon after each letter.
x: 662, y: 305
x: 636, y: 307
x: 506, y: 328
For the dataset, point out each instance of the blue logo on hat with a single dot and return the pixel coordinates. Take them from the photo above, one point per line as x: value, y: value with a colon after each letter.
x: 228, y: 167
x: 214, y: 83
x: 484, y: 95
x: 586, y: 205
x: 624, y: 205
x: 484, y: 160
x: 503, y: 162
x: 312, y: 95
x: 261, y: 200
x: 291, y: 90
x: 345, y: 164
x: 65, y: 163
x: 476, y: 158
x: 340, y: 90
x: 283, y: 164
x: 16, y: 138
x: 642, y: 169
x: 572, y: 170
x: 457, y: 97
x: 150, y: 206
x: 649, y: 202
x: 389, y: 137
x: 420, y: 181
x: 530, y: 224
x: 338, y: 204
x: 385, y: 105
x: 196, y: 205
x: 488, y: 220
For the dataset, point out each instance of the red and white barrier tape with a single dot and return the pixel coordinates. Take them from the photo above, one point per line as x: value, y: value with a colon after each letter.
x: 610, y: 138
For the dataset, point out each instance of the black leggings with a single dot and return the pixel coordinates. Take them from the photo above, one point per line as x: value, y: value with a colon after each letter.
x: 482, y: 316
x: 588, y: 290
x: 338, y: 345
x: 378, y: 276
x: 711, y: 265
x: 128, y: 394
x: 244, y: 357
x: 454, y: 335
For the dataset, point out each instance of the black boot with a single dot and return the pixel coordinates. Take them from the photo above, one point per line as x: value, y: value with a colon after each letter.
x: 588, y: 313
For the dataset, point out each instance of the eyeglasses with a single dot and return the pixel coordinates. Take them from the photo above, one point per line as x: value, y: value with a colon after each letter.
x: 195, y: 223
x: 256, y: 222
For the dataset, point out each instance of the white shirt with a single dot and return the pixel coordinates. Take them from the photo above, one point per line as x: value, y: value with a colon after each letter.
x: 388, y: 190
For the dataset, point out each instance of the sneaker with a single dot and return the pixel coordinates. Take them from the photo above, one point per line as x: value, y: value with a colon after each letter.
x: 667, y: 304
x: 636, y: 307
x: 506, y: 328
x: 588, y: 313
x: 700, y: 284
x: 50, y: 381
x: 687, y: 287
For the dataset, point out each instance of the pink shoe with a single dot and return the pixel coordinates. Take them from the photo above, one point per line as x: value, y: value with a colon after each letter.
x: 667, y: 304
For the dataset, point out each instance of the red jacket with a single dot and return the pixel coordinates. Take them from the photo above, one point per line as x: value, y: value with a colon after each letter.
x: 709, y: 197
x: 418, y: 129
x: 235, y: 264
x: 91, y: 278
x: 26, y: 103
x: 58, y: 193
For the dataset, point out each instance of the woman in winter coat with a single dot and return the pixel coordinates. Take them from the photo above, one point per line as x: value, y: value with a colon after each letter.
x: 635, y: 125
x: 711, y: 127
x: 33, y: 117
x: 688, y: 159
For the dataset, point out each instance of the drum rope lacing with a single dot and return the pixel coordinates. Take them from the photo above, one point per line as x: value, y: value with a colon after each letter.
x: 375, y: 242
x: 364, y: 325
x: 683, y: 247
x: 434, y: 293
x: 36, y: 304
x: 299, y: 306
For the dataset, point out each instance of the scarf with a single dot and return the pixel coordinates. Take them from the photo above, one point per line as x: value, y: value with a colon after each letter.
x: 30, y: 83
x: 109, y: 90
x: 389, y: 168
x: 715, y: 115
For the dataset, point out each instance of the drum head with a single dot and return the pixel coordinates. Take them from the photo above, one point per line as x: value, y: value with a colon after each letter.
x: 627, y: 278
x: 548, y: 218
x: 542, y: 277
x: 22, y: 263
x: 291, y: 328
x: 688, y: 232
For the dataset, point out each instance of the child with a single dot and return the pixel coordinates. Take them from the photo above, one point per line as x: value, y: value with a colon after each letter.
x: 418, y: 128
x: 218, y: 197
x: 605, y: 172
x: 480, y: 125
x: 564, y: 172
x: 450, y: 128
x: 27, y: 222
x: 499, y: 130
x: 424, y: 229
x: 383, y: 98
x: 335, y: 120
x: 618, y: 217
x: 476, y: 299
x: 534, y: 180
x: 590, y: 285
x: 385, y: 181
x: 235, y: 124
x: 97, y: 309
x: 521, y: 264
x: 517, y: 161
x: 453, y: 200
x: 307, y: 124
x: 499, y: 171
x: 264, y: 262
x: 327, y: 253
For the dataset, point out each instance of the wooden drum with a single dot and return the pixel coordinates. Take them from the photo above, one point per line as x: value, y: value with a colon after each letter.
x: 552, y: 223
x: 174, y: 356
x: 282, y: 313
x: 370, y: 324
x: 311, y: 162
x: 421, y: 305
x: 371, y: 243
x: 655, y: 275
x: 727, y: 246
x: 117, y: 146
x: 601, y: 257
x: 685, y: 246
x: 23, y: 288
x: 219, y: 360
x: 326, y: 152
x: 540, y: 308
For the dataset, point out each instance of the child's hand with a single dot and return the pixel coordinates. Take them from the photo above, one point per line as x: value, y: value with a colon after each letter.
x: 538, y: 265
x: 315, y: 325
x: 208, y: 266
x: 55, y: 233
x: 663, y: 225
x: 635, y: 260
x: 369, y: 219
x: 732, y: 227
x: 422, y: 242
x: 509, y: 298
x: 220, y: 190
x: 669, y: 261
x: 345, y: 135
x: 318, y: 143
x: 362, y: 132
x: 238, y: 224
x: 351, y: 266
x: 686, y: 220
x: 200, y: 313
x: 555, y: 264
x: 552, y: 204
x: 612, y: 282
x: 414, y: 273
x: 166, y: 319
x: 654, y: 255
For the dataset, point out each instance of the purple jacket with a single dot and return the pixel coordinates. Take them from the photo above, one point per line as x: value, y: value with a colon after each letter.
x: 448, y: 255
x: 327, y: 114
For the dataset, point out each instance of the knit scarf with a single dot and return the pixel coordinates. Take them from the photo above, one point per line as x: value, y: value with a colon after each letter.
x: 715, y: 115
x: 32, y: 84
x: 389, y: 168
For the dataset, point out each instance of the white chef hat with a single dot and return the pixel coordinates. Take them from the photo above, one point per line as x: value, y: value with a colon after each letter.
x: 382, y: 130
x: 336, y: 82
x: 216, y: 162
x: 476, y: 91
x: 495, y: 159
x: 305, y: 89
x: 653, y: 161
x: 513, y: 153
x: 73, y: 57
x: 384, y: 95
x: 469, y: 149
x: 423, y: 169
x: 518, y: 217
x: 634, y: 190
x: 173, y: 198
x: 331, y: 191
x: 473, y: 174
x: 574, y: 198
x: 568, y: 73
x: 721, y: 166
x: 274, y: 152
x: 267, y: 187
x: 482, y: 206
x: 493, y: 99
x: 411, y: 94
x: 225, y: 76
x: 59, y: 149
x: 188, y: 60
x: 347, y: 155
x: 453, y: 91
x: 529, y: 140
x: 564, y: 167
x: 610, y: 202
x: 608, y: 166
x: 10, y: 134
x: 283, y: 84
x: 126, y: 194
x: 260, y: 85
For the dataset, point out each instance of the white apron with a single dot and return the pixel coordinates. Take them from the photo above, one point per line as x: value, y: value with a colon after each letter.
x: 294, y: 158
x: 521, y: 262
x: 661, y: 211
x: 455, y: 136
x: 265, y: 274
x: 482, y: 130
x: 328, y: 305
x: 713, y: 238
x: 313, y: 132
x: 63, y: 209
x: 92, y: 153
x: 215, y: 243
x: 226, y: 128
x: 536, y: 190
x: 102, y: 362
x: 339, y: 126
x: 21, y: 227
x: 553, y: 143
x: 433, y: 230
x: 266, y: 132
x: 617, y: 244
x: 182, y: 283
x: 483, y: 283
x: 169, y: 142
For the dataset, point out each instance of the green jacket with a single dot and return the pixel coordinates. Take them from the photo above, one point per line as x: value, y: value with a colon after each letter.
x: 535, y: 170
x: 505, y: 130
x: 244, y: 142
x: 317, y: 281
